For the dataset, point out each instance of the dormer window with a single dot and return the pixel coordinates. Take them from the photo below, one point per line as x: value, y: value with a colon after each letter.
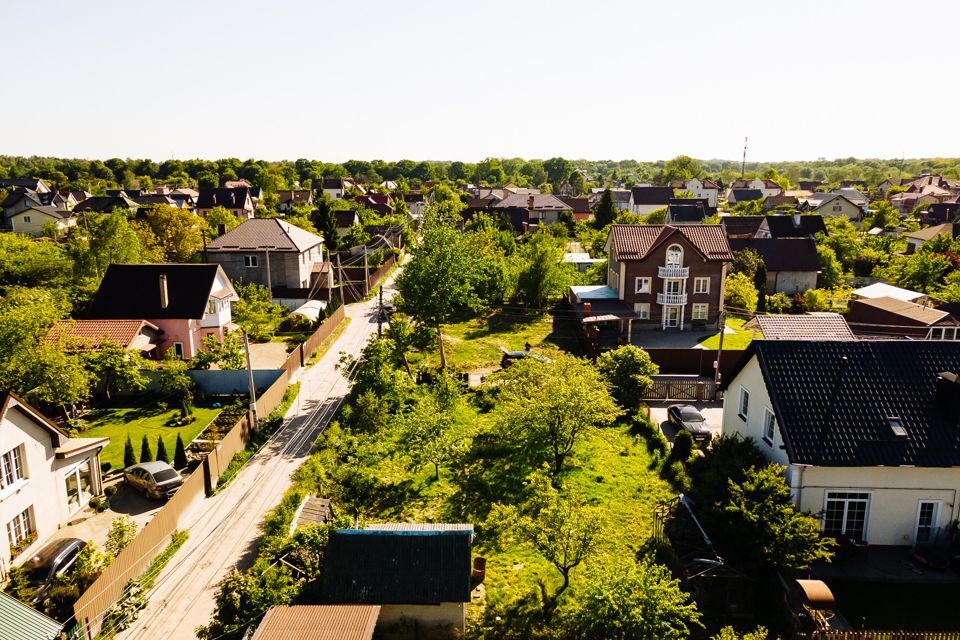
x: 896, y: 427
x: 674, y: 255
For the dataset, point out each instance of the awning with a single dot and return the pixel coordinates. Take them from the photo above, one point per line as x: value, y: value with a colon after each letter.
x: 817, y: 594
x: 608, y: 317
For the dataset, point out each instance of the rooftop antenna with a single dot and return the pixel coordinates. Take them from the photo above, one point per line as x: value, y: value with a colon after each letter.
x: 743, y: 163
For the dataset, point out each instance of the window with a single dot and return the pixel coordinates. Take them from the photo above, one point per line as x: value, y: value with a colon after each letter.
x: 212, y: 305
x: 79, y: 486
x: 673, y: 287
x: 642, y: 285
x: 942, y: 333
x: 11, y: 466
x: 178, y: 350
x: 837, y: 208
x: 769, y: 426
x: 26, y: 219
x: 744, y: 407
x: 701, y: 285
x: 846, y: 514
x: 928, y: 514
x: 642, y: 310
x: 700, y: 311
x: 674, y: 255
x: 251, y: 261
x: 20, y: 530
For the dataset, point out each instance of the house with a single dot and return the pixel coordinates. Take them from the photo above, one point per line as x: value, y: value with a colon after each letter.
x: 809, y: 185
x: 269, y: 252
x: 377, y: 202
x: 622, y: 199
x: 580, y: 207
x: 20, y: 621
x: 237, y: 200
x: 288, y: 199
x: 106, y: 204
x: 416, y: 202
x: 791, y: 226
x: 48, y: 477
x: 736, y: 196
x: 885, y: 185
x: 346, y: 219
x: 132, y: 335
x: 21, y: 199
x: 707, y: 189
x: 781, y: 201
x: 867, y: 431
x: 860, y: 185
x: 688, y: 211
x: 831, y: 205
x: 766, y: 187
x: 854, y: 196
x: 940, y: 212
x: 887, y: 316
x: 916, y: 239
x: 416, y: 573
x: 184, y: 301
x: 907, y: 201
x: 35, y: 220
x: 792, y: 263
x: 884, y: 290
x: 741, y: 226
x: 318, y: 622
x: 33, y: 184
x: 532, y: 209
x: 334, y: 188
x: 648, y: 199
x: 581, y: 261
x: 819, y: 325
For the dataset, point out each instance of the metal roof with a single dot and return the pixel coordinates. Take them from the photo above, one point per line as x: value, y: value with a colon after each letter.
x: 20, y: 622
x: 318, y: 622
x: 884, y: 290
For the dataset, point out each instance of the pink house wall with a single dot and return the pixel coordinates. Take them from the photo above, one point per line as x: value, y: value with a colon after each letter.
x: 186, y: 331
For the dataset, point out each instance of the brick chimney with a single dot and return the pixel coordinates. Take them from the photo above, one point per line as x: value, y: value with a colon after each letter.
x: 164, y: 292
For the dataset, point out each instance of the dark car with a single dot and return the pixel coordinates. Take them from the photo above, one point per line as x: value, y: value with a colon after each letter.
x: 509, y: 357
x: 685, y: 416
x: 155, y: 479
x: 53, y: 560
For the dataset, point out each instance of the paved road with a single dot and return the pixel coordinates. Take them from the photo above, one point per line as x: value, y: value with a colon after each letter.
x: 224, y: 530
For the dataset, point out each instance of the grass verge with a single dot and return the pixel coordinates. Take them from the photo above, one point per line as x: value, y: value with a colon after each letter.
x: 324, y: 346
x: 737, y: 341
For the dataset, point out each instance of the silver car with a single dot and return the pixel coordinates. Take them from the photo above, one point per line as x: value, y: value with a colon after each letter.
x: 155, y: 479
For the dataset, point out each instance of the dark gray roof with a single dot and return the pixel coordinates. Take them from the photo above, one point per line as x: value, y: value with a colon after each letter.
x: 741, y: 225
x: 345, y: 218
x: 265, y: 233
x: 132, y: 291
x: 782, y: 254
x: 397, y: 567
x: 745, y: 195
x: 652, y: 195
x: 786, y: 226
x: 105, y: 203
x: 833, y: 400
x: 227, y: 197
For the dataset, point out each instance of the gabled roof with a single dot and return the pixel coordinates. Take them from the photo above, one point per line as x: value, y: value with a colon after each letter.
x: 782, y: 254
x: 808, y: 326
x: 53, y: 212
x: 912, y: 314
x: 105, y: 203
x: 800, y: 226
x: 884, y: 290
x: 295, y: 196
x: 745, y: 195
x: 540, y: 201
x: 93, y: 333
x: 397, y: 567
x: 265, y: 233
x: 132, y: 291
x: 833, y: 400
x: 331, y: 183
x: 652, y: 195
x: 318, y: 622
x: 229, y: 198
x: 579, y: 205
x: 741, y: 225
x: 36, y: 184
x: 636, y: 241
x: 345, y: 218
x: 929, y: 233
x: 22, y: 622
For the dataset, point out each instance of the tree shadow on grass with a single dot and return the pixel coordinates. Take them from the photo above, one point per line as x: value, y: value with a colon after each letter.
x: 491, y: 474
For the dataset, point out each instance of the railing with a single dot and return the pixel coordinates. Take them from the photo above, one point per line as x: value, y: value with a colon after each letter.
x: 880, y: 635
x: 674, y: 271
x: 671, y: 298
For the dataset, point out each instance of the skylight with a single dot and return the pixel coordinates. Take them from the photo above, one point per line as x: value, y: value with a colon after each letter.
x: 896, y: 426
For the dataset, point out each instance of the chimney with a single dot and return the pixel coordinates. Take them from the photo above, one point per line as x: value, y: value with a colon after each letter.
x: 948, y: 395
x: 587, y: 308
x: 164, y: 293
x: 796, y: 220
x: 221, y: 229
x: 530, y: 203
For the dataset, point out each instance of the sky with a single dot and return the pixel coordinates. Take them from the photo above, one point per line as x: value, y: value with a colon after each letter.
x: 451, y: 80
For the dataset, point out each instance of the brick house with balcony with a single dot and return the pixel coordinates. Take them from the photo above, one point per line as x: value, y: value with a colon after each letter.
x: 658, y: 277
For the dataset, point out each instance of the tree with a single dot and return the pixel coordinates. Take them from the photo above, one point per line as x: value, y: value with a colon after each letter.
x: 923, y: 271
x: 226, y: 354
x: 118, y: 368
x: 129, y: 456
x: 606, y: 211
x: 180, y: 454
x: 243, y: 598
x: 162, y: 455
x: 146, y: 455
x: 28, y: 263
x: 740, y: 292
x: 175, y: 381
x: 103, y: 239
x: 746, y: 261
x: 178, y: 232
x: 577, y: 184
x: 627, y: 371
x: 218, y: 221
x: 831, y: 272
x: 622, y: 599
x: 729, y: 633
x: 325, y: 220
x: 427, y: 434
x: 542, y: 274
x: 768, y: 526
x: 557, y: 170
x: 549, y: 406
x: 356, y: 236
x: 255, y: 311
x: 657, y: 216
x: 122, y: 532
x: 56, y: 378
x: 760, y: 282
x: 727, y: 460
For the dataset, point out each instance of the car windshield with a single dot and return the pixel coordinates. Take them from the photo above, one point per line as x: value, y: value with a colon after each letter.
x: 38, y: 575
x: 164, y: 474
x: 690, y: 415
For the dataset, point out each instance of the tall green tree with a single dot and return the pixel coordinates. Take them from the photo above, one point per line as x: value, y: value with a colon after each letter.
x: 627, y: 371
x: 180, y: 454
x: 146, y: 455
x: 831, y: 271
x: 118, y: 368
x: 177, y: 231
x: 542, y: 274
x: 162, y: 454
x: 129, y: 456
x: 606, y: 211
x: 760, y: 282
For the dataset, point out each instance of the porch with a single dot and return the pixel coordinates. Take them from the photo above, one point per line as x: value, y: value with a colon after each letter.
x: 885, y: 564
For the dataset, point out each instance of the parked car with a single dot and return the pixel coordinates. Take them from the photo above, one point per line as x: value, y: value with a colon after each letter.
x: 155, y: 479
x: 53, y: 560
x: 686, y: 416
x: 509, y: 357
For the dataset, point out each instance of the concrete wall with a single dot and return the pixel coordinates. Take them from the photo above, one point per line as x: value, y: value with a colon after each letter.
x: 791, y: 282
x: 287, y: 269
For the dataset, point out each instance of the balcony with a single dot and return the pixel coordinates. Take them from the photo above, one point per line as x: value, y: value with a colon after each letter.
x: 671, y: 298
x: 674, y: 271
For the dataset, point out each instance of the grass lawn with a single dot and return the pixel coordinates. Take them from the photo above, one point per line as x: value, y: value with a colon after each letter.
x: 123, y: 417
x: 737, y: 341
x: 475, y: 344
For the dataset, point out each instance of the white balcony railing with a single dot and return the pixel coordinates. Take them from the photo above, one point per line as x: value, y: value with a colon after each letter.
x: 674, y: 271
x: 671, y: 298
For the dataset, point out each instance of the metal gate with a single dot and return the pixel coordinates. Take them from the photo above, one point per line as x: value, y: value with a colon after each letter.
x: 692, y: 388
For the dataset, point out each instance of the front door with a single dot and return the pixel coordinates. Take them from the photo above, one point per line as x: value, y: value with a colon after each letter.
x: 928, y: 514
x: 673, y: 316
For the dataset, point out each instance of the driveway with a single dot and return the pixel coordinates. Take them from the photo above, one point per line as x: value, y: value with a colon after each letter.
x: 268, y: 355
x: 93, y: 527
x: 712, y: 413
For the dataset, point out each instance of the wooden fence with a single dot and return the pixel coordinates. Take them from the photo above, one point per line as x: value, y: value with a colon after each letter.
x: 90, y: 608
x: 691, y: 388
x: 881, y: 635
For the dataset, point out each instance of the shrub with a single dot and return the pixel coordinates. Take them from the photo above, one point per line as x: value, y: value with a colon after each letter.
x: 110, y: 490
x: 129, y: 456
x: 99, y: 504
x: 146, y: 455
x: 645, y: 427
x: 779, y: 303
x: 180, y: 454
x: 682, y: 447
x: 162, y: 455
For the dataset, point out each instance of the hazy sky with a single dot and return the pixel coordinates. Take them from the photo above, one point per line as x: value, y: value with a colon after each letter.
x: 441, y: 80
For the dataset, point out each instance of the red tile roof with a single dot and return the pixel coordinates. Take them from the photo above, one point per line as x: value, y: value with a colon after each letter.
x: 92, y: 333
x: 636, y: 241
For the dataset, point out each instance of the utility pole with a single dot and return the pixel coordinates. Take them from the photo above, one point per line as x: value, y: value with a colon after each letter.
x: 743, y: 163
x: 250, y: 386
x: 366, y: 273
x: 269, y: 281
x: 721, y: 319
x: 339, y: 279
x: 380, y: 314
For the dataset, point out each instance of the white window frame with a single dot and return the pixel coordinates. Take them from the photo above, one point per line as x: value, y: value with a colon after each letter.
x: 743, y: 403
x: 670, y: 285
x: 11, y: 467
x: 642, y: 285
x: 642, y: 309
x: 701, y: 281
x: 866, y: 512
x: 700, y: 311
x: 934, y: 522
x: 178, y: 350
x: 677, y: 250
x: 21, y: 527
x: 769, y: 426
x: 251, y: 262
